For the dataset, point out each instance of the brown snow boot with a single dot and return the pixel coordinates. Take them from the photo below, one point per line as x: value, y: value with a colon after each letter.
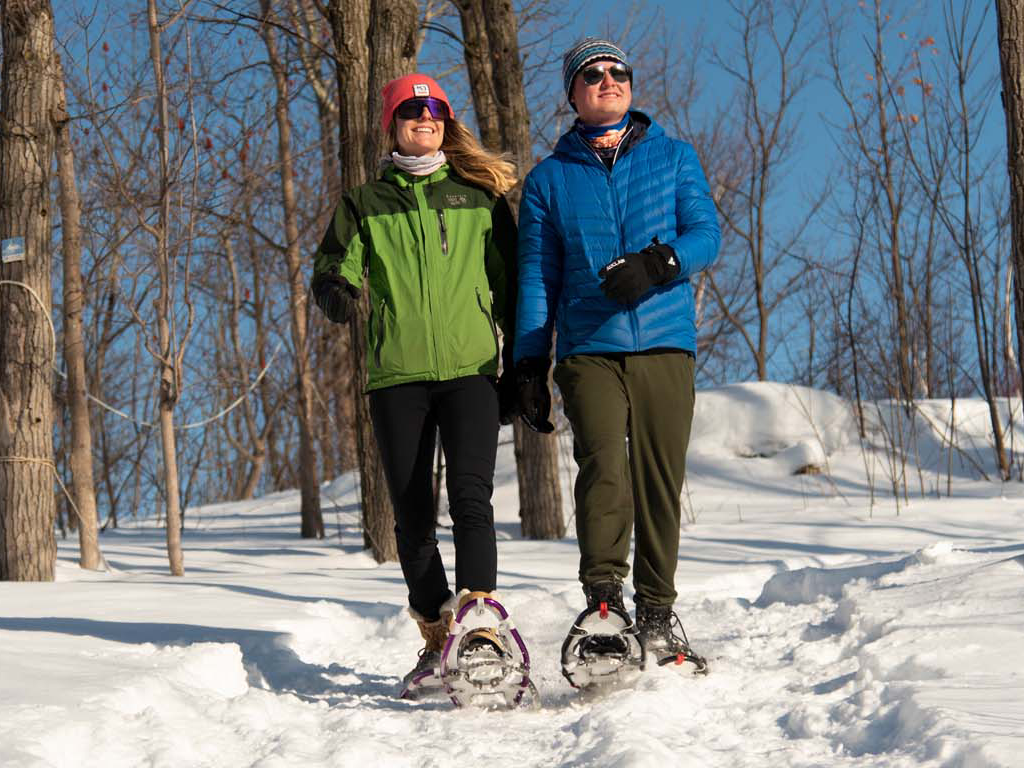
x: 421, y: 678
x: 435, y: 632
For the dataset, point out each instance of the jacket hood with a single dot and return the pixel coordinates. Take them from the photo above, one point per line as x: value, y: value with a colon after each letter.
x: 570, y: 144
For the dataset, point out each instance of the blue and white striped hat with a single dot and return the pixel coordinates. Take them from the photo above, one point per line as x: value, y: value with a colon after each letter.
x: 588, y: 50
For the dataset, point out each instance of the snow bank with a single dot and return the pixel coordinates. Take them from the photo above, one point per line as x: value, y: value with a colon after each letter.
x: 795, y: 426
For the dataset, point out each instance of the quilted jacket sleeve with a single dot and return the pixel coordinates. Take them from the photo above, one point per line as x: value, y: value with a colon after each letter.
x: 696, y: 246
x: 540, y: 273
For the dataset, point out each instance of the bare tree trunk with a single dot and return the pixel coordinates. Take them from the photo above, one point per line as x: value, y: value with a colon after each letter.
x: 83, y: 490
x: 350, y: 23
x: 337, y: 372
x: 476, y: 50
x: 1010, y: 18
x: 540, y: 505
x: 500, y: 83
x: 27, y: 99
x: 972, y: 257
x: 392, y: 36
x: 366, y: 59
x: 392, y: 53
x: 169, y: 390
x: 312, y: 520
x: 894, y: 205
x: 333, y: 373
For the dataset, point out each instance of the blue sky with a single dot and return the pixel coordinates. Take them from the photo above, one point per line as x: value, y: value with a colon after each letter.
x: 714, y: 22
x: 677, y: 25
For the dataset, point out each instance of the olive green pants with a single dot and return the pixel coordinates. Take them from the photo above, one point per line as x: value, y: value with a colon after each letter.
x: 646, y: 398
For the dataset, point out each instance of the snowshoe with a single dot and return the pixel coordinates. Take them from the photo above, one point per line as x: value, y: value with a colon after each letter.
x: 657, y: 627
x: 603, y: 649
x: 424, y: 680
x: 485, y: 662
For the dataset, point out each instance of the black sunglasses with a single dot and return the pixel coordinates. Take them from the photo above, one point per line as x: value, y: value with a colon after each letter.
x: 594, y: 74
x: 410, y: 109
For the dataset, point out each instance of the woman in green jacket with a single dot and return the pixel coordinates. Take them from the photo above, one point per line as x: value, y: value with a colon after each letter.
x: 435, y: 240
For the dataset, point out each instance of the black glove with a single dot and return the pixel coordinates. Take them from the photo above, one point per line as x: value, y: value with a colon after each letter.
x: 534, y: 395
x: 627, y: 279
x: 508, y: 397
x: 336, y: 296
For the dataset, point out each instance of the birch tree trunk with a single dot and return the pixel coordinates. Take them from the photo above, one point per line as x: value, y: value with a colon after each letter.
x: 1010, y: 18
x: 312, y: 519
x: 497, y: 80
x: 82, y: 487
x: 27, y: 98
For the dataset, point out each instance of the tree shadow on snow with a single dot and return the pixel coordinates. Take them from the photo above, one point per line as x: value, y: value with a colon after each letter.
x: 269, y: 662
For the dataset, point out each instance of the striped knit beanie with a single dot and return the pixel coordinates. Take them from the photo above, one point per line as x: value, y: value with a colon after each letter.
x: 588, y: 50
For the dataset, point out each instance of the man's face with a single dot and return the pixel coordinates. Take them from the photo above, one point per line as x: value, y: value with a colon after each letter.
x: 604, y: 103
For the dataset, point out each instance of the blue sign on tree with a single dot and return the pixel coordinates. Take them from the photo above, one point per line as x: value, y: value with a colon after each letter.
x: 12, y: 249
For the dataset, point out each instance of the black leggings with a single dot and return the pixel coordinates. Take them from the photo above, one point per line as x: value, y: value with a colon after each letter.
x: 406, y: 418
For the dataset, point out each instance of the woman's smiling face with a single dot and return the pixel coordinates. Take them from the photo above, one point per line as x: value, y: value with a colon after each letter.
x: 420, y: 136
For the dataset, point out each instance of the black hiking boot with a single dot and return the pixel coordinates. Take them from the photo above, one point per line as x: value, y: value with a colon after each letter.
x: 602, y: 595
x: 658, y: 625
x: 607, y: 592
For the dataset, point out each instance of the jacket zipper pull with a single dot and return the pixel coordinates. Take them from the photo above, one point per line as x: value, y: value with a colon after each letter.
x: 444, y: 233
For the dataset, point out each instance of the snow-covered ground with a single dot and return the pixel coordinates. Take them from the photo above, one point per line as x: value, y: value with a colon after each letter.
x: 839, y: 633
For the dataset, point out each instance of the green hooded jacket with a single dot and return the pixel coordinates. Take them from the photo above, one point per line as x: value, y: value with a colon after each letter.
x: 434, y: 249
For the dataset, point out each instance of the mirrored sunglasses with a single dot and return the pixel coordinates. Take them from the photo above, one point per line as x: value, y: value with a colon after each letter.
x: 594, y: 74
x: 410, y: 109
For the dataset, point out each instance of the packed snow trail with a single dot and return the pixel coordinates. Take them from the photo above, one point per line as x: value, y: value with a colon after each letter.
x: 838, y: 634
x: 889, y: 662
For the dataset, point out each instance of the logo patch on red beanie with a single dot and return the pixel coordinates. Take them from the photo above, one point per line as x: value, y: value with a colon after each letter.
x: 421, y: 89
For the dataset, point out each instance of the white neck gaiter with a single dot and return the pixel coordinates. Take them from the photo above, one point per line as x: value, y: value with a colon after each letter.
x: 419, y: 166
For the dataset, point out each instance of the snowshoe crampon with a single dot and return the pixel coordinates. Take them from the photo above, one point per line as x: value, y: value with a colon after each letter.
x: 602, y: 649
x: 485, y: 662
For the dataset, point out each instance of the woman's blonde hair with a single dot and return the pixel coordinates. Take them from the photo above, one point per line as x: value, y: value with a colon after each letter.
x: 476, y: 164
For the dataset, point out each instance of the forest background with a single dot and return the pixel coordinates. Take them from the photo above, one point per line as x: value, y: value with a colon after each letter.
x: 856, y: 152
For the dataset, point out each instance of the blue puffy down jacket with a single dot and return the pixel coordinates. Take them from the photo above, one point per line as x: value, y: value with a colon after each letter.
x: 576, y: 216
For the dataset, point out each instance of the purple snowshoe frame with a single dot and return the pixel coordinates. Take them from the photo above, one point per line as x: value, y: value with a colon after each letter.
x: 415, y: 686
x: 504, y: 628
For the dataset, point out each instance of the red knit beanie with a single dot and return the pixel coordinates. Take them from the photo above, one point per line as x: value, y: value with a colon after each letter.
x: 409, y: 87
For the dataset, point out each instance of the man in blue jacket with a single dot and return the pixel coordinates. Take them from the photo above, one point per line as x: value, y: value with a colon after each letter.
x: 613, y: 227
